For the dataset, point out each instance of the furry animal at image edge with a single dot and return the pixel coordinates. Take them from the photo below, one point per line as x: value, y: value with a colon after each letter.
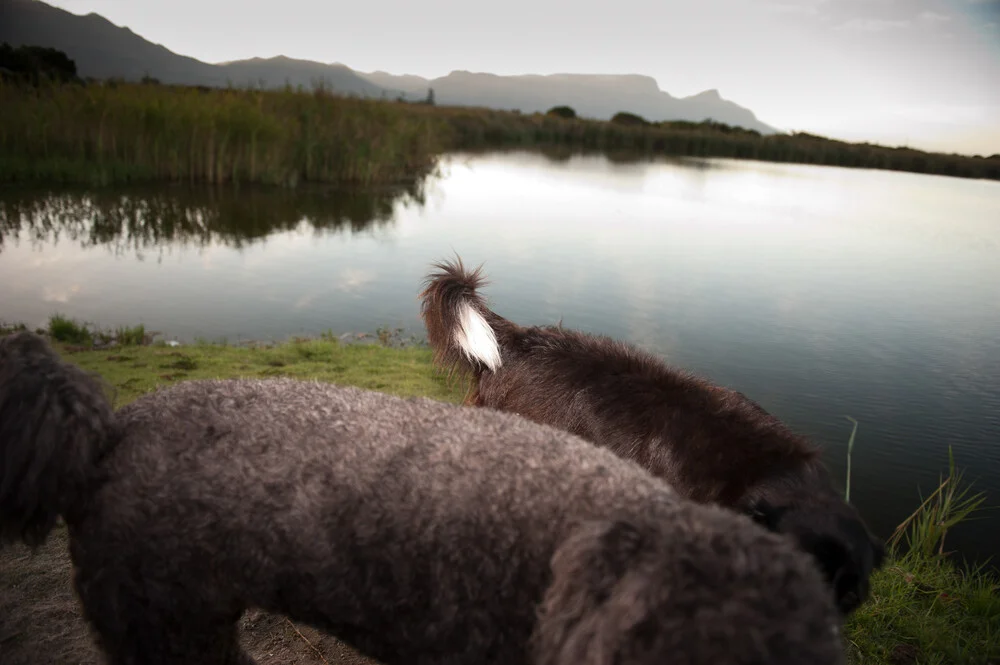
x: 712, y: 444
x: 414, y: 530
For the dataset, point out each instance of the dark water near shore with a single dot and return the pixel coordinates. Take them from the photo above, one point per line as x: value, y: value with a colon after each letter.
x: 820, y: 292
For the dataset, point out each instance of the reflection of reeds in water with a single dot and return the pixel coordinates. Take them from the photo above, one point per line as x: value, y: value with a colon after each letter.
x: 139, y: 219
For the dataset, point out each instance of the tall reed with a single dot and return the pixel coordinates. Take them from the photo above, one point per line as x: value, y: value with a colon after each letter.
x: 850, y: 449
x: 946, y: 507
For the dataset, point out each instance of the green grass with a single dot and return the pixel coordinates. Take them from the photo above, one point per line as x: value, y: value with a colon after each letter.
x: 130, y: 336
x: 70, y: 331
x: 950, y: 504
x: 64, y: 329
x: 132, y: 371
x: 117, y: 132
x: 928, y: 610
x: 9, y: 328
x: 925, y: 607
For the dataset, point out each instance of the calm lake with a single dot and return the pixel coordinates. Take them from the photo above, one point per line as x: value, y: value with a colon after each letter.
x: 820, y: 292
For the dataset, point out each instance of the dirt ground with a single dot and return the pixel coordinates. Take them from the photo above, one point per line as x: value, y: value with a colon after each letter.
x: 40, y: 621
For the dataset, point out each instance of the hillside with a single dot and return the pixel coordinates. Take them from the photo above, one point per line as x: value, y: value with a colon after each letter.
x: 104, y: 50
x: 590, y: 95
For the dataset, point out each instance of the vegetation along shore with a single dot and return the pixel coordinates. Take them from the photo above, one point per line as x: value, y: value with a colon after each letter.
x: 926, y: 606
x: 60, y: 129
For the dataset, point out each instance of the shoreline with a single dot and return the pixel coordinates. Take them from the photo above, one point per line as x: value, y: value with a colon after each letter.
x: 78, y: 336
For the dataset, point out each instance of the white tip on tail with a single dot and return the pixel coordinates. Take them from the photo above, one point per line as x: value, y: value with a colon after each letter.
x: 476, y: 338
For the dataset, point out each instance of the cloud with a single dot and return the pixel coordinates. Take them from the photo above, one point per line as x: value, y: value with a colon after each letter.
x: 353, y: 279
x: 807, y: 7
x: 872, y: 25
x: 59, y: 294
x: 304, y: 302
x: 933, y: 17
x: 942, y: 114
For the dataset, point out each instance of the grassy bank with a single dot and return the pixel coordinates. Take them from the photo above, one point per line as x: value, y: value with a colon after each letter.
x: 132, y: 364
x: 925, y: 607
x: 135, y: 370
x: 104, y: 133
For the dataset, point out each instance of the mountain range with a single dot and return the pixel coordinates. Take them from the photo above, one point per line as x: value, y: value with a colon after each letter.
x: 104, y: 50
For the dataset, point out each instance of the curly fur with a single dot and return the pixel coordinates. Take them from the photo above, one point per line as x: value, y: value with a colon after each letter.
x: 712, y: 444
x: 417, y: 531
x: 627, y: 592
x: 54, y: 425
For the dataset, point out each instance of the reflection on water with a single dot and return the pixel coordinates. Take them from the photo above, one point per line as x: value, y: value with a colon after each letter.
x: 820, y: 292
x: 140, y: 220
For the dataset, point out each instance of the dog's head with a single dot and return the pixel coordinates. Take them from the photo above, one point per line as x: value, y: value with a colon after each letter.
x: 833, y: 532
x: 702, y: 586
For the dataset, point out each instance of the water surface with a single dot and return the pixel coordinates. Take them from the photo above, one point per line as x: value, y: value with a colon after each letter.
x: 820, y: 292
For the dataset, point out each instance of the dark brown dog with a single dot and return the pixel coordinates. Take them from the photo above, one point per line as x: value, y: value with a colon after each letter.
x: 712, y: 444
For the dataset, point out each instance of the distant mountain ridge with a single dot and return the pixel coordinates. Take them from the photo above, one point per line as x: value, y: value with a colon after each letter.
x: 104, y: 50
x: 591, y: 95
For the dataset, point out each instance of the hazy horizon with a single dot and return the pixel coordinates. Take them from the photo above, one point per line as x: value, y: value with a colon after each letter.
x: 922, y: 73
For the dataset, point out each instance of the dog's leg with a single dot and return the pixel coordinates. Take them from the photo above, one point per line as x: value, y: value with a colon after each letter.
x: 155, y: 639
x: 137, y: 623
x: 243, y: 658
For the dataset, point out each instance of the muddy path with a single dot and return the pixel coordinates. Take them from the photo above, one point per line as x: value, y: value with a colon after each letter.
x: 41, y: 624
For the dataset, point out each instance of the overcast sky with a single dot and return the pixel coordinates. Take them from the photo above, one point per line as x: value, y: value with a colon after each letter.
x: 920, y: 72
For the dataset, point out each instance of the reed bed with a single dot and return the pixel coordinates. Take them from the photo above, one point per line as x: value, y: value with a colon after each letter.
x: 481, y: 128
x: 125, y: 132
x: 99, y: 133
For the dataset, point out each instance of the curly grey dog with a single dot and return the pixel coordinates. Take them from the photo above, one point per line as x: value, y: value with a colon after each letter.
x: 712, y: 444
x: 417, y: 531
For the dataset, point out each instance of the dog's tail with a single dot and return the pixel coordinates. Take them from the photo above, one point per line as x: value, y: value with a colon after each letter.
x: 55, y: 424
x: 460, y: 327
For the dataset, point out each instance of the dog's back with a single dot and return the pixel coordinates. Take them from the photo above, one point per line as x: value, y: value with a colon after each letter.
x: 712, y: 444
x: 422, y: 532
